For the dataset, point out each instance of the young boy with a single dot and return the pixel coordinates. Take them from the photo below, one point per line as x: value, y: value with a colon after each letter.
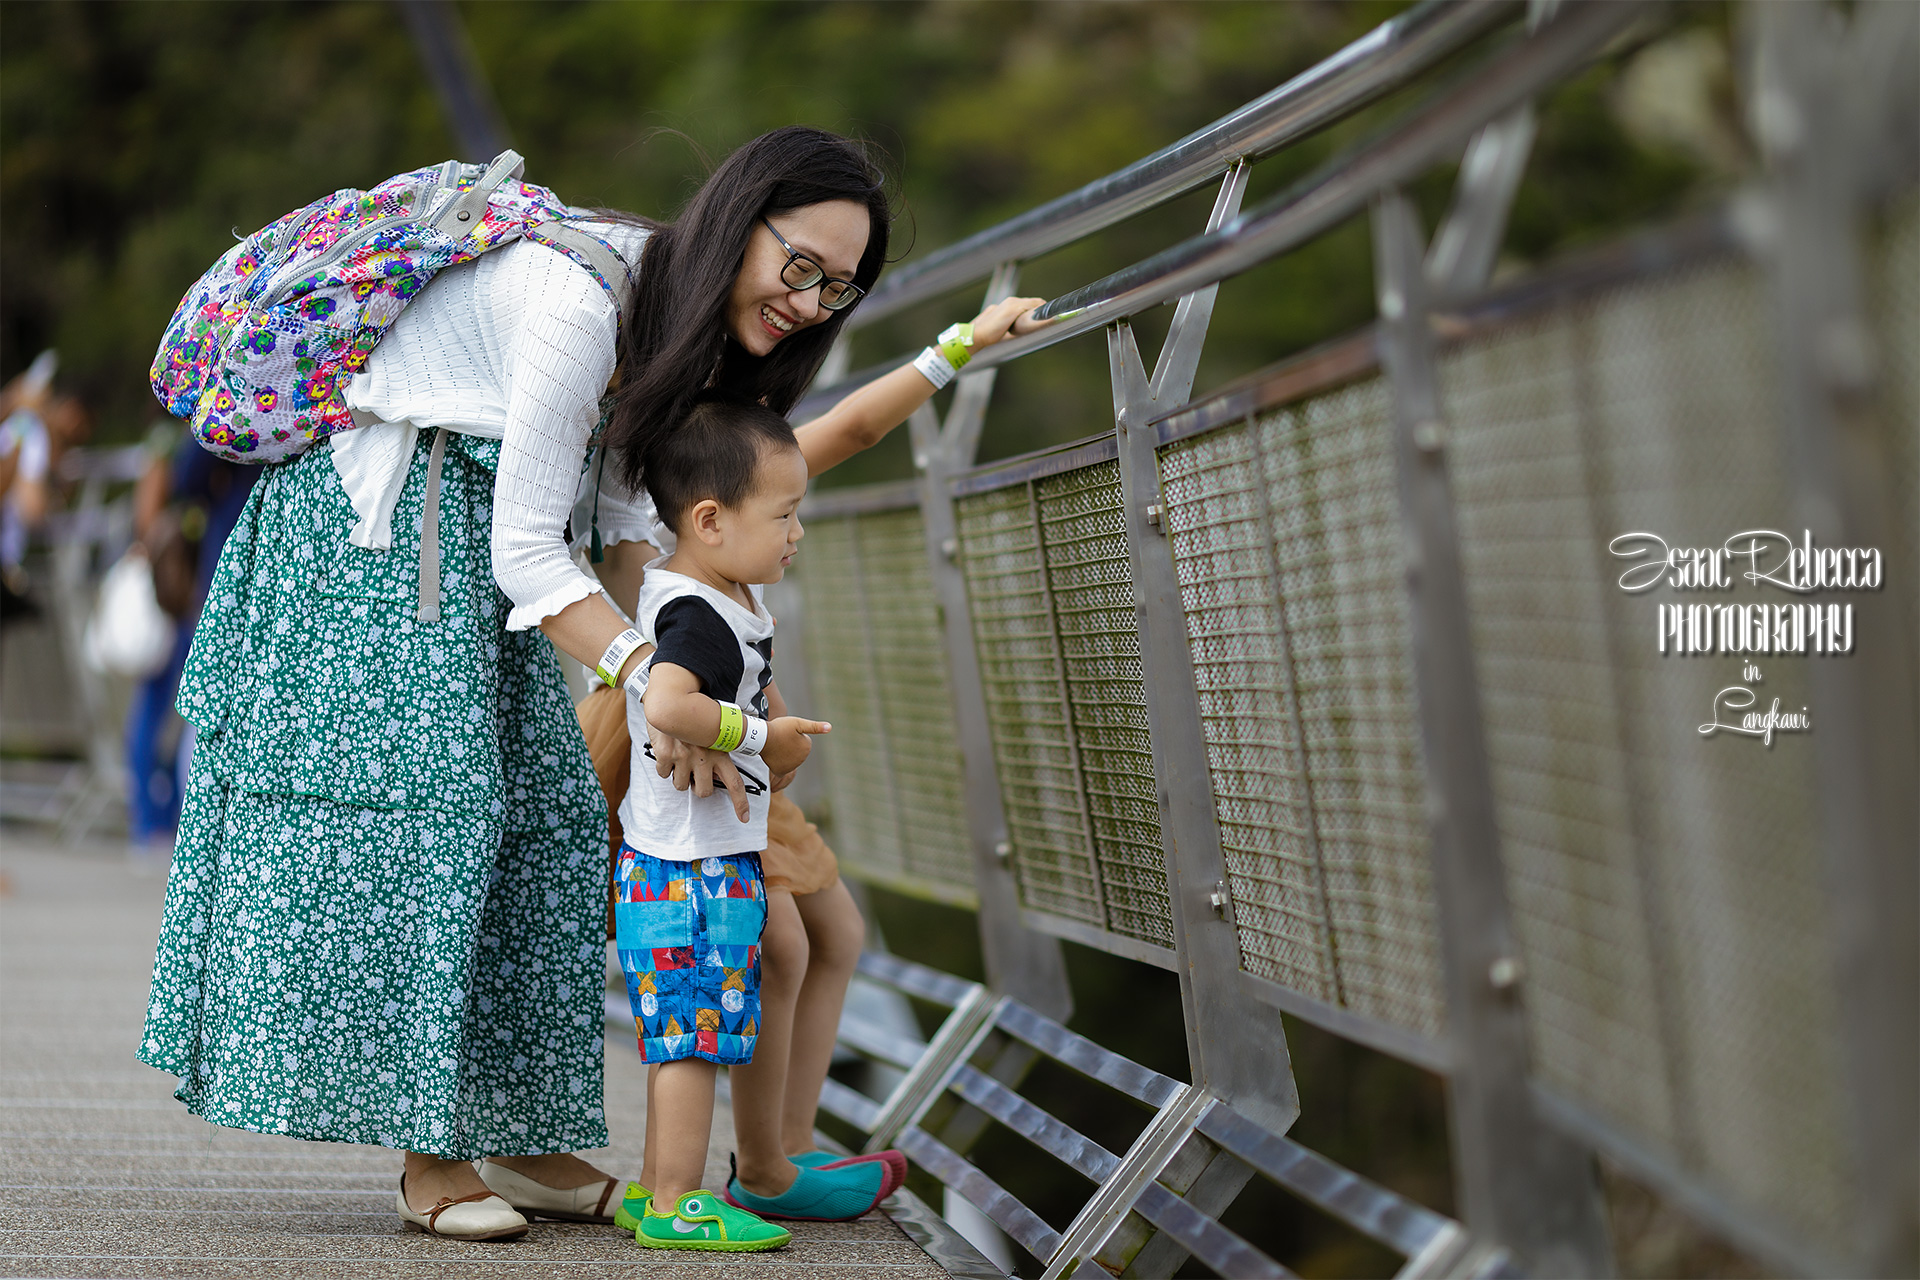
x: 689, y: 901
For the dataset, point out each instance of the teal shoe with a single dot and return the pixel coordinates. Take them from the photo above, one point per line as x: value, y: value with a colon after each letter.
x: 702, y: 1220
x: 895, y: 1162
x: 839, y: 1194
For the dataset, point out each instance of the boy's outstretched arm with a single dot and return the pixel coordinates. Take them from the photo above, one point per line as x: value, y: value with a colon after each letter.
x: 675, y: 705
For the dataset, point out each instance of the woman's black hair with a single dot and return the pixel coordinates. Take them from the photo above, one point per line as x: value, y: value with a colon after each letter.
x: 714, y: 452
x: 675, y: 344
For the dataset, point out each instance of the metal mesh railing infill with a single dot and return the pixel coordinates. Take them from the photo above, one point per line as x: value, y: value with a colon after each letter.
x: 879, y: 668
x: 1326, y: 692
x: 1051, y: 598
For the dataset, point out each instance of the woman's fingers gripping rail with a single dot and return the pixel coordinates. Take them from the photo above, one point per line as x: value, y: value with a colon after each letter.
x: 1010, y: 318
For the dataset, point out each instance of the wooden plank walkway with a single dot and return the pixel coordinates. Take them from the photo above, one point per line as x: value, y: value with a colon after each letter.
x: 102, y: 1173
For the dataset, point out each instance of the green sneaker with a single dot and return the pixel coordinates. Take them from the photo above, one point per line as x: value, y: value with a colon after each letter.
x: 627, y: 1216
x: 702, y: 1220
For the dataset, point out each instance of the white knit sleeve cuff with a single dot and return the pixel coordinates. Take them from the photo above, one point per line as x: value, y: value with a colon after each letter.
x: 528, y: 616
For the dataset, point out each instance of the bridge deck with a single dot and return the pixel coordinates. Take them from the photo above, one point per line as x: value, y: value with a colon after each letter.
x: 102, y: 1173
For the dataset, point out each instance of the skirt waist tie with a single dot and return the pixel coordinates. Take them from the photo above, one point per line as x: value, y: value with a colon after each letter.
x: 429, y: 609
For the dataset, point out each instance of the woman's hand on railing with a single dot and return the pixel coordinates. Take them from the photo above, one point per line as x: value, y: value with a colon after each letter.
x: 865, y: 416
x: 1010, y: 318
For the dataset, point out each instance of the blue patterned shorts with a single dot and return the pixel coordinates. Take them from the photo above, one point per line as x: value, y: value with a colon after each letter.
x: 688, y: 934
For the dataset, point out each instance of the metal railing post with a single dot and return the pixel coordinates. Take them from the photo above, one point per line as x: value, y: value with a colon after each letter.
x: 1234, y: 1057
x: 1824, y: 88
x: 1020, y: 962
x: 1517, y: 1180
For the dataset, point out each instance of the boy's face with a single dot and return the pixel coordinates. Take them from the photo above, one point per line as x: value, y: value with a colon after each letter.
x: 760, y: 536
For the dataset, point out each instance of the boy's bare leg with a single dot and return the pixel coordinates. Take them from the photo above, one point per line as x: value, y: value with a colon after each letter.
x: 835, y: 934
x: 431, y: 1179
x: 760, y: 1087
x: 647, y: 1166
x: 679, y: 1125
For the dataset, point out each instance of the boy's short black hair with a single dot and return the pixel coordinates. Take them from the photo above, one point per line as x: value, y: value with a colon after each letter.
x: 714, y: 454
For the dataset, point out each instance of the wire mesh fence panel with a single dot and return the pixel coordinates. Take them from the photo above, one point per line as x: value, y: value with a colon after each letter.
x: 1090, y: 583
x: 876, y: 662
x: 910, y: 669
x: 1335, y: 519
x: 859, y: 785
x: 1027, y: 710
x: 1665, y: 884
x: 1214, y: 492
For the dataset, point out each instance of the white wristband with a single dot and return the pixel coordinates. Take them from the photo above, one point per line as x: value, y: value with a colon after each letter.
x: 637, y: 682
x: 756, y: 738
x: 616, y: 655
x: 934, y: 367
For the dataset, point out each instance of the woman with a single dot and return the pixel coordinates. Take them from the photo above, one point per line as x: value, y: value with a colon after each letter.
x: 383, y: 921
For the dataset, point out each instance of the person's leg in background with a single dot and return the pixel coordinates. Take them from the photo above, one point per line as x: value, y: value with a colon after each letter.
x: 836, y: 932
x: 153, y: 780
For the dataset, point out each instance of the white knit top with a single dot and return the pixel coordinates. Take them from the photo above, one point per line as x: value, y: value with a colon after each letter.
x: 516, y: 346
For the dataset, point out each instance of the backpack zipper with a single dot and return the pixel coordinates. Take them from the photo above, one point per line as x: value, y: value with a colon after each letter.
x: 271, y: 296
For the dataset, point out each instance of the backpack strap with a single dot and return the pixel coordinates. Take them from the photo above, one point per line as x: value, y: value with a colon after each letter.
x: 605, y: 261
x: 463, y: 216
x: 429, y: 603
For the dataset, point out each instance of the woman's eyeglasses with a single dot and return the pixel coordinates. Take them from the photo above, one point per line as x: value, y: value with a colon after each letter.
x: 802, y: 272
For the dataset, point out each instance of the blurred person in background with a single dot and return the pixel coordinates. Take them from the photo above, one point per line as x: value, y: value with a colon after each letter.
x: 184, y: 506
x: 36, y: 427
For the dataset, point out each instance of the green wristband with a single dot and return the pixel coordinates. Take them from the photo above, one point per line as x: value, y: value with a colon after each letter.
x: 956, y: 344
x: 733, y: 727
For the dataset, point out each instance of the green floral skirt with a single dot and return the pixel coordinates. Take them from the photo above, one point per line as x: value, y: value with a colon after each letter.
x: 384, y: 920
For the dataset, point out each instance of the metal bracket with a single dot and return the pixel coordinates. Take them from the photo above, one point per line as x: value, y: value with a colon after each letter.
x: 1179, y: 360
x: 956, y: 1040
x: 967, y: 415
x: 1468, y: 242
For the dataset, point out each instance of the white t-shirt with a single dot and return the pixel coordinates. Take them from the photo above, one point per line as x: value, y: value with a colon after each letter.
x: 515, y: 346
x: 730, y: 649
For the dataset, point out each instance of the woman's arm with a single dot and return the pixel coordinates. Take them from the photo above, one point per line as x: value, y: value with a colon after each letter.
x: 562, y: 356
x: 622, y: 571
x: 862, y: 419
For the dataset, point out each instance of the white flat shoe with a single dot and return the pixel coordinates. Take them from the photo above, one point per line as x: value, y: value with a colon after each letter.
x: 480, y: 1216
x: 538, y: 1200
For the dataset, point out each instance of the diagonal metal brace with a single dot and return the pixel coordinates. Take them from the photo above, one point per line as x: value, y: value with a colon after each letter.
x: 1179, y: 361
x: 1108, y: 1208
x: 1464, y: 249
x: 950, y: 1047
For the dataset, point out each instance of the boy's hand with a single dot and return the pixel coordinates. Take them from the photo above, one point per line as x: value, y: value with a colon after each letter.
x: 789, y: 741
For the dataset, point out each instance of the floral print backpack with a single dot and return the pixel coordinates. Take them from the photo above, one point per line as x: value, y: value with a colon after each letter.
x: 258, y: 355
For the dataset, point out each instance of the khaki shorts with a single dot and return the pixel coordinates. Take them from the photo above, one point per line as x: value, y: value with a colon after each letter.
x: 796, y: 858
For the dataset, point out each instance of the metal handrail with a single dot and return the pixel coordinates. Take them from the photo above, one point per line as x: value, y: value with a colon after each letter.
x: 1412, y: 144
x: 1407, y: 148
x: 1384, y: 59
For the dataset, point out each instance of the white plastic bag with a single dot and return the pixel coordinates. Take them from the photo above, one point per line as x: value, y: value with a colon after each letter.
x: 129, y: 634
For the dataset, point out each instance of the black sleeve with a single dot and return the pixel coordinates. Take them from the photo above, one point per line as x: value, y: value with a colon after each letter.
x: 689, y: 632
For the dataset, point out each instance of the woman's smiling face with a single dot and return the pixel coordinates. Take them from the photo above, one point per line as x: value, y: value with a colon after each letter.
x: 762, y: 309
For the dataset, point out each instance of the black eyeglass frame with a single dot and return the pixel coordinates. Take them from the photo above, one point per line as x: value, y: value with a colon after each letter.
x: 821, y: 279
